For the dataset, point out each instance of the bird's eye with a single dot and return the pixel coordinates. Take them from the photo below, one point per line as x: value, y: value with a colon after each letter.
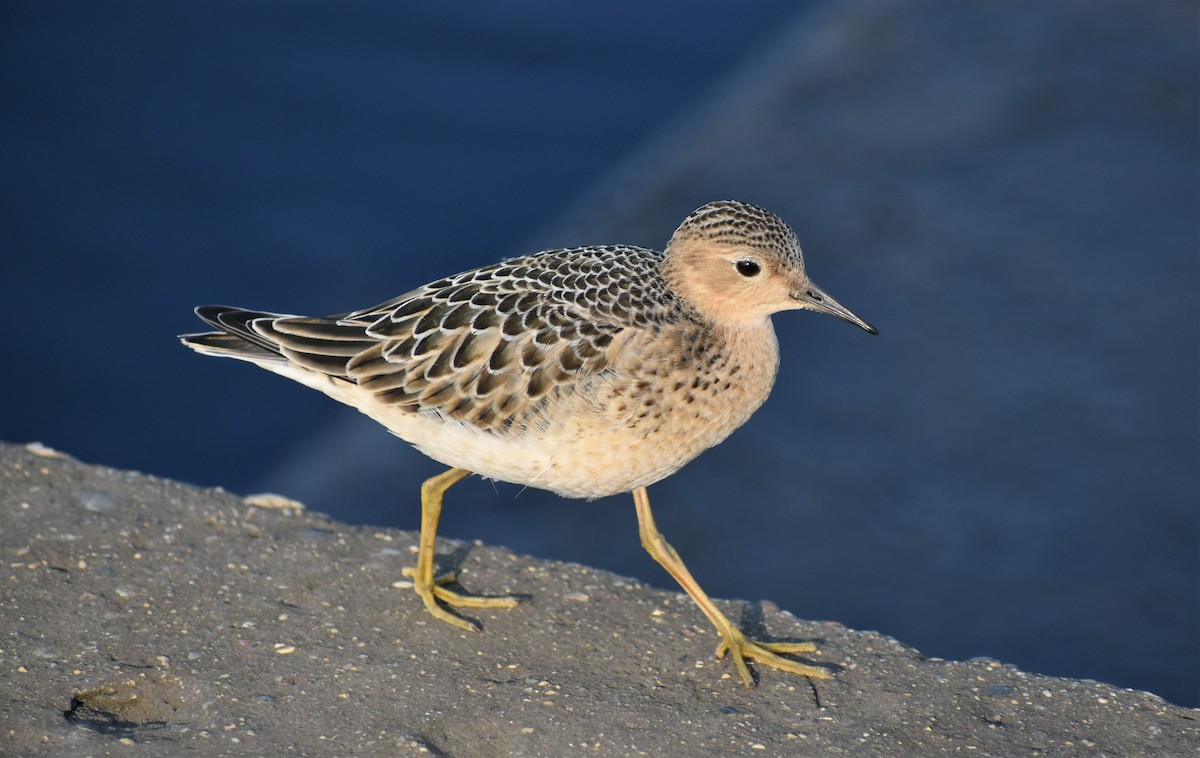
x: 748, y: 267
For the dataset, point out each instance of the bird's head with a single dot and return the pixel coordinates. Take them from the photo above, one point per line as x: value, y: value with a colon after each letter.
x: 737, y: 263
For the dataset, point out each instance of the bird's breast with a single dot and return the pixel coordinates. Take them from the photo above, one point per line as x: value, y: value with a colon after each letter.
x: 664, y: 401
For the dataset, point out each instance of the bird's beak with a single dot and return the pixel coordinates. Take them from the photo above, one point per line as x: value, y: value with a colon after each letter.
x: 813, y: 298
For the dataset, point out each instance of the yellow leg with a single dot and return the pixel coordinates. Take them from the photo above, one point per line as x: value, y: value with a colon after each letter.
x: 427, y: 586
x: 733, y: 641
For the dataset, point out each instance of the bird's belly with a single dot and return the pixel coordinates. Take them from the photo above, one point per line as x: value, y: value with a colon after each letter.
x: 591, y: 466
x: 594, y: 449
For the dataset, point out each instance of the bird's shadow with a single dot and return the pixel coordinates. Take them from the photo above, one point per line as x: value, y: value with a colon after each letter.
x: 753, y: 624
x: 452, y: 563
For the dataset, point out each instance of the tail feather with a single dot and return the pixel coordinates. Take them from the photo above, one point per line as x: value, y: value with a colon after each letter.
x: 229, y: 346
x: 321, y: 345
x: 236, y: 338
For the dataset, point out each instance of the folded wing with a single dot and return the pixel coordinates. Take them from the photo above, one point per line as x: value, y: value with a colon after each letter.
x: 489, y: 347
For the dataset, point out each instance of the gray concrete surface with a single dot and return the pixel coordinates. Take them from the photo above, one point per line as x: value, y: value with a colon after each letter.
x: 141, y: 616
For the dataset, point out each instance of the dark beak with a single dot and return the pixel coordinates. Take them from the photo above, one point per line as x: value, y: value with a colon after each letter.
x: 814, y: 298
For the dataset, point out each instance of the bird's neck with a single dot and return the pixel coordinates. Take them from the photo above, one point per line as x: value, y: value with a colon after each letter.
x: 757, y: 348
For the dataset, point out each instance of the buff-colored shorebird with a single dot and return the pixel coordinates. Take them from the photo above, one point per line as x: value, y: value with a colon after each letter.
x: 587, y: 372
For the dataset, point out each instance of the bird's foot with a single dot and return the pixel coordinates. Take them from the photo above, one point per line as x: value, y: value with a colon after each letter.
x: 740, y: 647
x: 435, y: 590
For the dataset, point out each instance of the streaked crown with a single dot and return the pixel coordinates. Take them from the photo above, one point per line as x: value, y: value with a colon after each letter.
x: 732, y: 222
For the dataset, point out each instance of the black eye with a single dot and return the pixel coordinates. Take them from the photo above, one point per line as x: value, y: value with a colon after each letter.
x: 748, y: 267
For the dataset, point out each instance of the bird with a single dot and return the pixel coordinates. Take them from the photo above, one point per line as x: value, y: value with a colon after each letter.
x: 586, y: 371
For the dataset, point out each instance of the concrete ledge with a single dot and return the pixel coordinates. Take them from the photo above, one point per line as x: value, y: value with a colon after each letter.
x: 147, y: 617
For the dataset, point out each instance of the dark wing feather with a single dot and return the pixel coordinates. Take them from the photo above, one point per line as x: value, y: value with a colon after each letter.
x: 491, y: 346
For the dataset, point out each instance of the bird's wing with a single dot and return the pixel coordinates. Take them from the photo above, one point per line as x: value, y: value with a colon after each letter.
x: 493, y: 346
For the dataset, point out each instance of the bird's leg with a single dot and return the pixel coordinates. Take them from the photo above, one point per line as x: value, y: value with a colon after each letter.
x: 431, y: 589
x: 733, y: 640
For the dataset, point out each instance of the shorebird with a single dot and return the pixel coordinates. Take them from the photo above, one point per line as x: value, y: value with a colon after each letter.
x: 586, y: 371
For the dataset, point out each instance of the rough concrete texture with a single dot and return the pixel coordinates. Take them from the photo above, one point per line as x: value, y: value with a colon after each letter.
x: 141, y: 616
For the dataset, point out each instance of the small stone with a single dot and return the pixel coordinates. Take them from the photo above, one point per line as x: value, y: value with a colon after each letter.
x: 43, y: 451
x: 272, y: 501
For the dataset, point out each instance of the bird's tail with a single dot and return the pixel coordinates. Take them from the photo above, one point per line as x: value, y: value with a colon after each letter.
x: 237, y: 337
x: 277, y: 341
